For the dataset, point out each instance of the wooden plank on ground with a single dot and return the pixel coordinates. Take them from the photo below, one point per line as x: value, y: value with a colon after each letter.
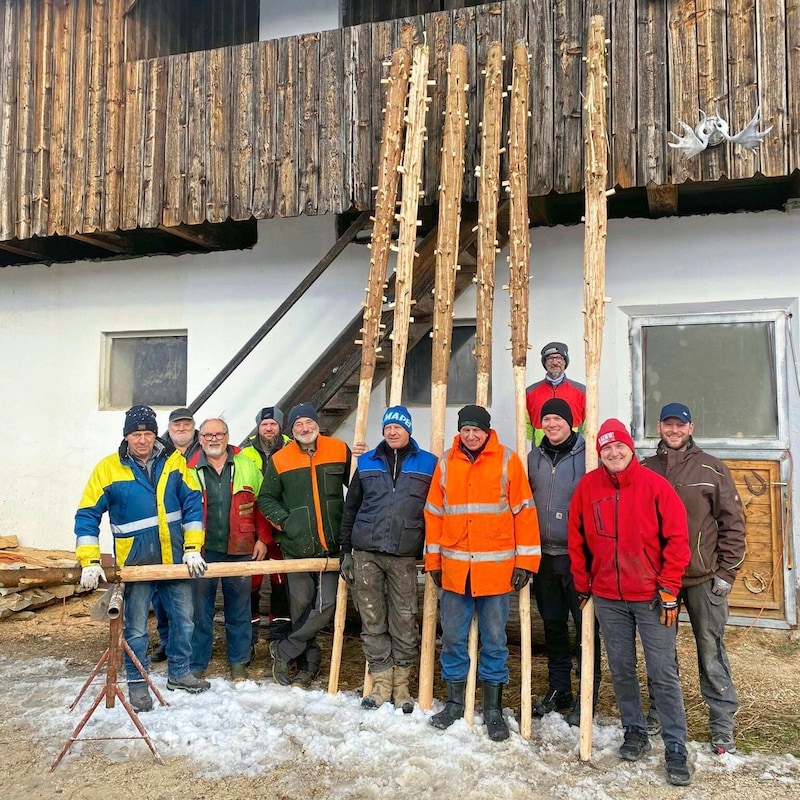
x: 243, y: 131
x: 308, y: 102
x: 219, y: 135
x: 7, y: 542
x: 175, y: 136
x: 652, y: 106
x: 265, y: 72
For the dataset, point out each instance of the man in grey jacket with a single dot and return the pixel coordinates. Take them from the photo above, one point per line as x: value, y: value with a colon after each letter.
x: 554, y: 469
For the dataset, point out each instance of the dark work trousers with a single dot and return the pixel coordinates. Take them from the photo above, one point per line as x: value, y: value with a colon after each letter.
x: 385, y: 593
x: 619, y: 621
x: 556, y: 600
x: 312, y: 601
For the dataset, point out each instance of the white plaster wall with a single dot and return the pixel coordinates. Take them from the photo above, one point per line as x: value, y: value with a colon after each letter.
x: 51, y: 320
x: 281, y: 18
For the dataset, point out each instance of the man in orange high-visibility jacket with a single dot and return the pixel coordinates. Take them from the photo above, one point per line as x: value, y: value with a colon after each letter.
x: 481, y: 542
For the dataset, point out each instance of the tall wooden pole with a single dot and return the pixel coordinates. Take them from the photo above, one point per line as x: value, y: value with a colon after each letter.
x: 447, y: 247
x: 488, y: 190
x: 383, y: 222
x: 519, y: 264
x: 594, y: 281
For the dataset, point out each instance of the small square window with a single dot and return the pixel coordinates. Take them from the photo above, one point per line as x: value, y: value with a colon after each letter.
x: 144, y: 367
x: 462, y: 373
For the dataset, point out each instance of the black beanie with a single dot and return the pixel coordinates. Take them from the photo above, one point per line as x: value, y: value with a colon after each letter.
x: 270, y: 412
x: 558, y: 407
x: 140, y: 418
x: 477, y: 416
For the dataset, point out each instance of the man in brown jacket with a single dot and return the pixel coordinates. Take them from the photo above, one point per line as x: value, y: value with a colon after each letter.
x: 717, y: 542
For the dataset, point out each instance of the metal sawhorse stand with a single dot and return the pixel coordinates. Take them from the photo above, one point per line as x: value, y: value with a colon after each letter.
x: 111, y: 609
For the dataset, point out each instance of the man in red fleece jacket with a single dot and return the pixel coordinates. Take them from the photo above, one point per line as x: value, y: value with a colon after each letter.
x: 628, y: 545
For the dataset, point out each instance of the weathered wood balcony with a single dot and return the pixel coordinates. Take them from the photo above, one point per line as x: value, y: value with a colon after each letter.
x: 90, y: 143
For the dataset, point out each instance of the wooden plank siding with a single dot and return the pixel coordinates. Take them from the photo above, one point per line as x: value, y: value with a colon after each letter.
x: 212, y: 126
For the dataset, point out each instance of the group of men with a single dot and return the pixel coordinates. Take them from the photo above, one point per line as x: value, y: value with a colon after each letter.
x: 618, y: 534
x: 641, y: 539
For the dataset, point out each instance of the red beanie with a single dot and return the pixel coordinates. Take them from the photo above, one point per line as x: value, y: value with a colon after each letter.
x: 612, y: 430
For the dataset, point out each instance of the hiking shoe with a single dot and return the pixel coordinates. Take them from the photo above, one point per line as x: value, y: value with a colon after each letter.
x: 280, y: 668
x: 677, y: 769
x: 304, y: 678
x: 139, y: 695
x: 636, y: 744
x: 722, y: 743
x: 188, y: 683
x: 159, y: 654
x: 554, y: 700
x: 653, y: 721
x: 238, y: 673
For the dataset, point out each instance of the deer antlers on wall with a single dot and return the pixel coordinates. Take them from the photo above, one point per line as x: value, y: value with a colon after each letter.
x: 713, y: 130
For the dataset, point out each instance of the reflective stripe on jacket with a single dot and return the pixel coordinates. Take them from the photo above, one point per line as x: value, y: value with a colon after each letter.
x: 480, y: 520
x: 152, y: 522
x: 246, y: 522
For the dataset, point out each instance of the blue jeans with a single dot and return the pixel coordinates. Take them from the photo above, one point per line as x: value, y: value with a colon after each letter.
x: 236, y: 606
x: 619, y: 621
x: 176, y: 596
x: 162, y: 623
x: 456, y: 616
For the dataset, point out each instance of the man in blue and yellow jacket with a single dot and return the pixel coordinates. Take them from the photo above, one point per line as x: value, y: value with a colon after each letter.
x: 155, y: 511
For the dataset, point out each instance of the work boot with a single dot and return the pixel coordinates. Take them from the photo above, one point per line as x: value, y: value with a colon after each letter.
x: 280, y: 668
x: 139, y: 695
x: 554, y: 700
x: 381, y: 693
x: 159, y: 653
x: 574, y: 716
x: 188, y: 682
x: 677, y: 768
x: 653, y: 721
x: 636, y: 744
x: 493, y: 711
x: 453, y: 708
x: 238, y: 673
x: 400, y: 693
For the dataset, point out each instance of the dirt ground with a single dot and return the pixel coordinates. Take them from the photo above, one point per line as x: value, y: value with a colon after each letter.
x: 765, y: 663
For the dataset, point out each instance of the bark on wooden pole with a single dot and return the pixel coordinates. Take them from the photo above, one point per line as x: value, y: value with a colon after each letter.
x: 380, y: 246
x: 447, y: 248
x: 519, y: 290
x: 594, y: 279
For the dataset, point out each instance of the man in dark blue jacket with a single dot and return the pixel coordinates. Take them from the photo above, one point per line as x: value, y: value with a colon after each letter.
x: 382, y: 536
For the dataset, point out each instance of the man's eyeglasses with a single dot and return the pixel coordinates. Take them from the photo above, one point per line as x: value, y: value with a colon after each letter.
x: 209, y: 437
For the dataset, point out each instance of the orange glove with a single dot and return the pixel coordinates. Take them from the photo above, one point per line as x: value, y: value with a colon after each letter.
x: 669, y: 606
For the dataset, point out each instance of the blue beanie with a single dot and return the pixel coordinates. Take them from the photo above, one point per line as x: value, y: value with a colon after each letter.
x: 396, y: 415
x: 140, y: 418
x: 301, y: 410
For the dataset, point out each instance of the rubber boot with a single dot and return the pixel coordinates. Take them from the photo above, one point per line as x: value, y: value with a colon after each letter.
x: 493, y: 711
x: 453, y: 708
x: 381, y: 693
x: 401, y: 695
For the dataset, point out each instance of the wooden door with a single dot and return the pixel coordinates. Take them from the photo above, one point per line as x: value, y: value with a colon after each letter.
x: 758, y: 591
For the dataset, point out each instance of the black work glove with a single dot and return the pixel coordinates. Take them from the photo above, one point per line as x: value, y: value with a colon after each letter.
x: 520, y: 578
x: 583, y: 599
x: 669, y: 606
x: 436, y: 577
x: 346, y: 568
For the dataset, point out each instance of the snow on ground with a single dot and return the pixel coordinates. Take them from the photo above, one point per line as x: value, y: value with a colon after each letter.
x: 251, y: 729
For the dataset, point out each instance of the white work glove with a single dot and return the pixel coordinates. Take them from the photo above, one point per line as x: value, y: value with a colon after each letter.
x: 196, y: 564
x: 720, y: 587
x: 91, y: 576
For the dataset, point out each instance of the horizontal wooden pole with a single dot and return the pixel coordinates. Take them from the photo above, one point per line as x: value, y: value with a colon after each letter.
x: 51, y: 576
